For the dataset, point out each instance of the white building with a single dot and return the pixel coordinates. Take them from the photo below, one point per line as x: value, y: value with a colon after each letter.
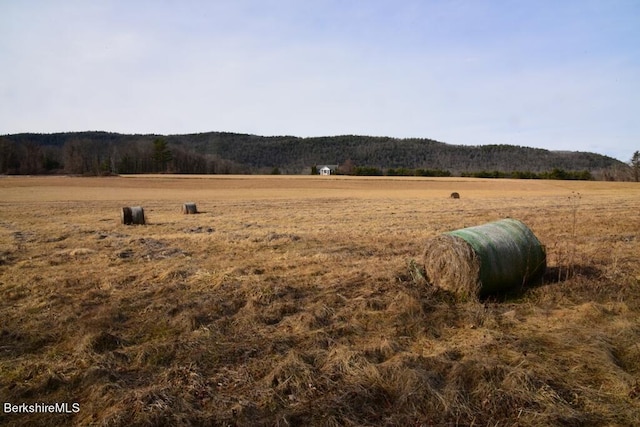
x: 327, y: 169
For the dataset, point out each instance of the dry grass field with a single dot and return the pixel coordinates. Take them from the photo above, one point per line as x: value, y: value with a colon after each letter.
x: 299, y: 301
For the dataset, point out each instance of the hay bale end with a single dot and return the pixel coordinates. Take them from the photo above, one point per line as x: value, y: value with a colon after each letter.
x: 454, y: 195
x: 133, y: 215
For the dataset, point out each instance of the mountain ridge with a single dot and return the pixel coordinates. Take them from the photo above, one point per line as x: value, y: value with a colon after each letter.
x: 230, y: 152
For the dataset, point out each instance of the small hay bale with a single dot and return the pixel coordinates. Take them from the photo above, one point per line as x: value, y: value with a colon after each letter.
x: 485, y: 259
x: 455, y: 195
x: 133, y: 215
x: 189, y: 208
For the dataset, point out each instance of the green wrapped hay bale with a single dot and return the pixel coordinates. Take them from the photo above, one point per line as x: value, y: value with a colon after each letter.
x: 485, y: 259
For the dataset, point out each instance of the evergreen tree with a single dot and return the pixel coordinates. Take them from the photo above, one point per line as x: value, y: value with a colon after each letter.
x: 161, y: 155
x: 635, y: 165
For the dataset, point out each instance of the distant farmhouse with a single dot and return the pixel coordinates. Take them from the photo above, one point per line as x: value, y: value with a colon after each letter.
x: 327, y: 169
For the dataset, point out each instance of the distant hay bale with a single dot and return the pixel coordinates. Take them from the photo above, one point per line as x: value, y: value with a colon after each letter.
x: 189, y: 208
x: 485, y: 259
x: 455, y: 195
x: 133, y: 215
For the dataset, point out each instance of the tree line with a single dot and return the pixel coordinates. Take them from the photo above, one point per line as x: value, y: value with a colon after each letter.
x: 99, y: 153
x: 555, y: 173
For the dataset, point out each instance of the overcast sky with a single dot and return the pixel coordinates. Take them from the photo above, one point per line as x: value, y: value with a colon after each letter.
x: 559, y: 74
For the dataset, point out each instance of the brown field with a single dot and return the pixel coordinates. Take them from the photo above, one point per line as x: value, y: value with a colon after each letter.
x: 299, y: 301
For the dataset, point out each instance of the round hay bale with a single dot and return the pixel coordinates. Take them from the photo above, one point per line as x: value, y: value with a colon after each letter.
x: 485, y: 259
x: 189, y: 208
x: 133, y: 215
x: 455, y: 195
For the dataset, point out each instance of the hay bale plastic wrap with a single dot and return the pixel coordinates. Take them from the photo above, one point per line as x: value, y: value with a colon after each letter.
x: 189, y: 208
x: 133, y: 215
x: 485, y: 259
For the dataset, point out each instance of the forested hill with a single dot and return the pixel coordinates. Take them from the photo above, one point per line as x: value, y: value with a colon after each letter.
x: 221, y: 152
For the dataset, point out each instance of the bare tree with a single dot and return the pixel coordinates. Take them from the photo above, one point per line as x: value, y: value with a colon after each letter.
x: 347, y: 167
x: 75, y: 157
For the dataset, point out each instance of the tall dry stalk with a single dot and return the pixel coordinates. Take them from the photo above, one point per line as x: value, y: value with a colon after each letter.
x: 574, y: 204
x: 566, y: 250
